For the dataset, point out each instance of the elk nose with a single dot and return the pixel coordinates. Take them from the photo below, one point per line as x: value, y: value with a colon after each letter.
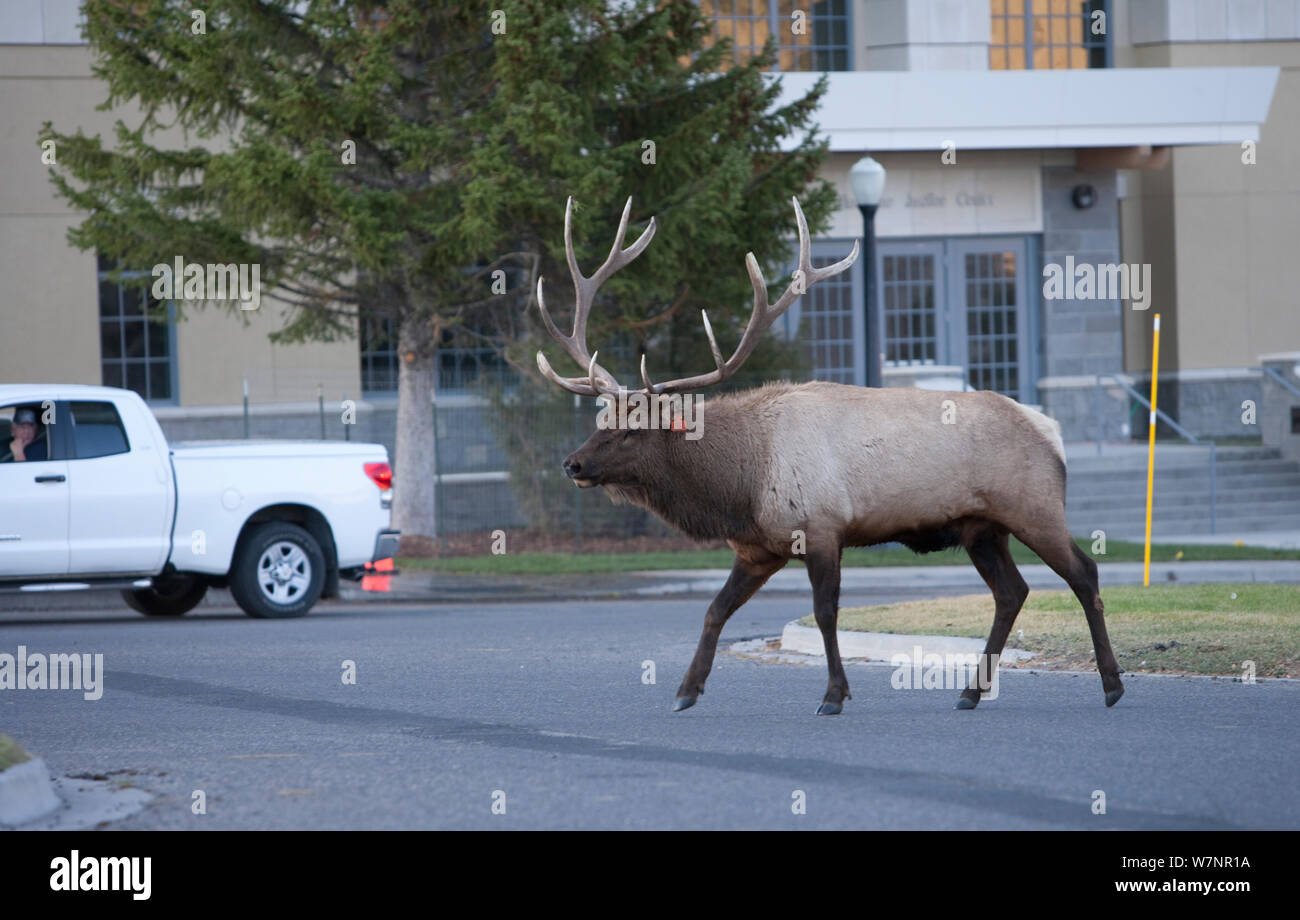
x: 572, y: 468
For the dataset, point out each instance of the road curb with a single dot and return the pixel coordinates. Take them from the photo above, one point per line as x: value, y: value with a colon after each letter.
x: 806, y: 640
x: 414, y: 586
x: 435, y: 587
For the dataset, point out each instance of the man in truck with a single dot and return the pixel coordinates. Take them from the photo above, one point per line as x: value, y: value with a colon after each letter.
x: 26, y: 443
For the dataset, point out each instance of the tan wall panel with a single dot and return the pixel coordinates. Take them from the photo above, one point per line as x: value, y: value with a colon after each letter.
x: 49, y: 328
x: 49, y: 314
x: 1273, y: 275
x: 1232, y: 230
x: 1233, y: 54
x: 1132, y: 214
x: 1239, y: 226
x: 44, y: 83
x: 217, y: 351
x: 1158, y: 246
x: 1213, y: 236
x: 1143, y: 56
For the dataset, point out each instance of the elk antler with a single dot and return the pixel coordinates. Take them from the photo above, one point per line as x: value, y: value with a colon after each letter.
x: 598, y: 381
x: 763, y: 315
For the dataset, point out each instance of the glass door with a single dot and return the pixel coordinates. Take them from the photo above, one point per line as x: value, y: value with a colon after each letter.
x: 829, y: 319
x: 958, y: 302
x: 987, y: 278
x: 913, y: 303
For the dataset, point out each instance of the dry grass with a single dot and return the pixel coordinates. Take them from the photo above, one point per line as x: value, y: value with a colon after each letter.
x: 1191, y: 629
x: 11, y: 753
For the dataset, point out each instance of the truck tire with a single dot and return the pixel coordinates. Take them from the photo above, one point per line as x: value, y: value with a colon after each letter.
x: 278, y: 572
x: 170, y: 596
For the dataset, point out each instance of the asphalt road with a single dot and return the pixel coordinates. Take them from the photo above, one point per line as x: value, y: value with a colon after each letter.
x: 456, y: 704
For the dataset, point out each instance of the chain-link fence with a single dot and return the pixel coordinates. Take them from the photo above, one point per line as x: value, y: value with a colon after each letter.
x: 497, y: 464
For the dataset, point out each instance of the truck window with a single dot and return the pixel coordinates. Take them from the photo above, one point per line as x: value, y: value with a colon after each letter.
x: 98, y: 430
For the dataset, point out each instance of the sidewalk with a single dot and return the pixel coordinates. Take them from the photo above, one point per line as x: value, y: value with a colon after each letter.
x: 447, y: 588
x: 1273, y: 539
x: 443, y: 587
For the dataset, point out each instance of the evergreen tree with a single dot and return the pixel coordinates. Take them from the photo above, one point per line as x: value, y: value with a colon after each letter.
x: 386, y: 160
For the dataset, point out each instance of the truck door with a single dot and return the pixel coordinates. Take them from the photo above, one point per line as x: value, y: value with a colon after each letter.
x: 120, y: 495
x: 33, y: 503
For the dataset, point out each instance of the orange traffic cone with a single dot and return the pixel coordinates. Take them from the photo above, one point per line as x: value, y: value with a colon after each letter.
x: 381, y: 582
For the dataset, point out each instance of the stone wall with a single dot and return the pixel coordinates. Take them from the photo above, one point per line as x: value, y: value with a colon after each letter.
x: 1077, y: 403
x: 1080, y: 336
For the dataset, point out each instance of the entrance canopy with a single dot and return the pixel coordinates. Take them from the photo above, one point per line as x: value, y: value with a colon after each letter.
x: 1044, y: 109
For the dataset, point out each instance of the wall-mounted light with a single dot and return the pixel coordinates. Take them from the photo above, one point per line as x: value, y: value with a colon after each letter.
x: 1084, y: 196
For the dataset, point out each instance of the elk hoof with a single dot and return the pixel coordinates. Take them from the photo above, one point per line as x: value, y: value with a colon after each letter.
x: 683, y: 702
x: 965, y: 702
x: 829, y: 709
x: 1112, y: 697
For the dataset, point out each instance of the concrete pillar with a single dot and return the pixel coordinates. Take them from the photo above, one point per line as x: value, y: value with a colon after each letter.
x: 1279, y: 407
x: 922, y: 34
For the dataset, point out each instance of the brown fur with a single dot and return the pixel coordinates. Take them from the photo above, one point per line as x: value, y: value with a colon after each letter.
x: 849, y: 466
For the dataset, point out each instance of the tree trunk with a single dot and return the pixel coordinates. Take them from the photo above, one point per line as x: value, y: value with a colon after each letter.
x: 413, y: 476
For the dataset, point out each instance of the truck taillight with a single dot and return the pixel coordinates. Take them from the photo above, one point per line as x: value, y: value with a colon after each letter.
x: 381, y: 474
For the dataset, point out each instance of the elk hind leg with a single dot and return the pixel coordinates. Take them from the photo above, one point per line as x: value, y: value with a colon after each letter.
x: 992, y: 559
x: 1063, y: 555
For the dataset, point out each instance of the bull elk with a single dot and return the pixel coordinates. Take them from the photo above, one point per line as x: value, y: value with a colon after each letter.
x: 839, y: 465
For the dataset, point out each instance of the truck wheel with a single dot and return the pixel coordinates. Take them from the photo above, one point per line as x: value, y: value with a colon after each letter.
x: 279, y: 572
x: 171, y: 596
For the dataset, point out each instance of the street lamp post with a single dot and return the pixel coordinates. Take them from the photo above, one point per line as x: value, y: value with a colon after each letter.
x: 868, y: 178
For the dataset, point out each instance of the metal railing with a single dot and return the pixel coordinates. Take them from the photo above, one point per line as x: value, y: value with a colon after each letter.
x: 1177, y: 428
x: 327, y: 419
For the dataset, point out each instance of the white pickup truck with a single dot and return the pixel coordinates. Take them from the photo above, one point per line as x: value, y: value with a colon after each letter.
x: 100, y: 500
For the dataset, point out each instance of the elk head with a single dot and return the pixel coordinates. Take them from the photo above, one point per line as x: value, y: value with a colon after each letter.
x: 625, y: 457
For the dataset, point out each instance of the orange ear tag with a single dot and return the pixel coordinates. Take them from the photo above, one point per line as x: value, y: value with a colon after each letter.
x: 679, y: 423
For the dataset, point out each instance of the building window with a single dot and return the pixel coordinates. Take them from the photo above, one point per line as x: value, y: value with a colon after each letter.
x: 809, y: 36
x: 992, y: 337
x: 1049, y: 34
x: 459, y: 369
x: 824, y: 322
x: 378, y: 356
x: 908, y: 290
x: 136, y: 337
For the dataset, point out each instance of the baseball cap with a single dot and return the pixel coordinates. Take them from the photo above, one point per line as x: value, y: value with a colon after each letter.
x: 25, y: 417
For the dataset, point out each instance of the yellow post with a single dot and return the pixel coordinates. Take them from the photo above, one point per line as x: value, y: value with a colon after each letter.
x: 1151, y: 451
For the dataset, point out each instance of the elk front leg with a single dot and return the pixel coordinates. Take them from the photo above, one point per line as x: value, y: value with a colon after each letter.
x: 824, y: 573
x: 746, y: 577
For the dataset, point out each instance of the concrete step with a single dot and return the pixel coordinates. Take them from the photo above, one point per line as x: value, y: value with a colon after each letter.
x: 1255, y: 490
x: 1165, y: 499
x: 1196, y: 506
x: 1087, y: 523
x: 1084, y: 456
x: 1186, y: 470
x: 1163, y: 529
x: 1137, y: 483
